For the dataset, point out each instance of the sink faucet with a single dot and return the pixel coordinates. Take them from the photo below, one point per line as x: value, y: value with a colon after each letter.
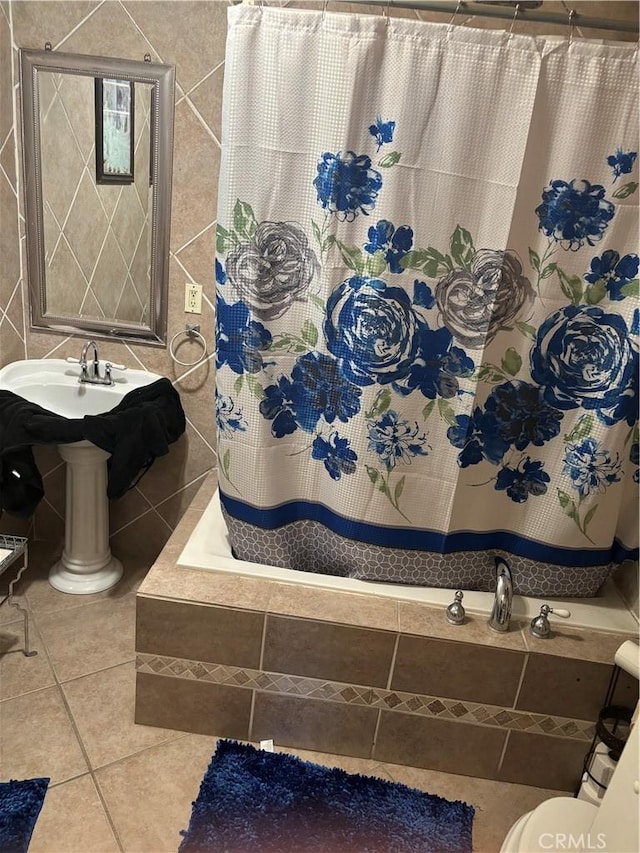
x: 89, y: 373
x: 501, y: 613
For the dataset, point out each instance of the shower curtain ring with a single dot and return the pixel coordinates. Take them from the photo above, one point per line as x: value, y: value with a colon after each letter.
x: 385, y: 12
x: 513, y: 20
x: 453, y: 17
x: 324, y: 8
x: 572, y: 14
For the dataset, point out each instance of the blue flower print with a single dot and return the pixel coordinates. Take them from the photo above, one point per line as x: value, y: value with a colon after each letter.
x: 614, y: 271
x: 336, y: 454
x: 583, y: 357
x: 276, y: 407
x: 382, y: 131
x: 634, y: 458
x: 239, y: 339
x: 591, y: 468
x: 526, y: 479
x: 635, y: 323
x: 522, y: 415
x: 423, y: 295
x: 395, y: 440
x: 316, y: 389
x: 372, y: 329
x: 621, y: 163
x: 437, y: 365
x: 228, y: 418
x: 477, y: 436
x: 347, y: 185
x: 574, y: 212
x: 394, y: 242
x: 221, y: 276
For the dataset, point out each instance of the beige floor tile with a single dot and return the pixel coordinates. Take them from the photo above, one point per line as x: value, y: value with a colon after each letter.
x: 20, y: 674
x: 498, y: 804
x: 102, y: 705
x: 73, y: 820
x: 44, y: 599
x: 81, y: 640
x: 37, y: 738
x: 149, y: 795
x: 9, y: 613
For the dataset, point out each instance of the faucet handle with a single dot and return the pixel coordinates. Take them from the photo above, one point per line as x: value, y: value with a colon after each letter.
x: 72, y: 360
x: 455, y: 611
x: 540, y: 626
x: 113, y: 366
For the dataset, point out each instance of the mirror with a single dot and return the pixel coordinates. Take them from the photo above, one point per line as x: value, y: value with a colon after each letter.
x: 97, y: 153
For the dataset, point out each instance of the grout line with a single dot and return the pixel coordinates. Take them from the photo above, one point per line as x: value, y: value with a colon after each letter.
x: 201, y: 120
x: 521, y: 681
x: 504, y: 752
x: 78, y: 25
x: 393, y: 662
x: 85, y: 754
x: 375, y: 736
x: 252, y: 709
x: 191, y: 240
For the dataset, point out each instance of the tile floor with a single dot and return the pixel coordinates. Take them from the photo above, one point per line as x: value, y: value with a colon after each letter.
x: 115, y: 786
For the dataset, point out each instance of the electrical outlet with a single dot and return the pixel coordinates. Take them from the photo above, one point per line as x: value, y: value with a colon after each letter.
x: 193, y: 298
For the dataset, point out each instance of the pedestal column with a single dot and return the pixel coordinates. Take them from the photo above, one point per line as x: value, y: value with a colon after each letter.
x: 87, y: 564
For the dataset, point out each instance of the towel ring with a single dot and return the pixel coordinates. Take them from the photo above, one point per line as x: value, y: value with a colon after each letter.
x: 191, y: 331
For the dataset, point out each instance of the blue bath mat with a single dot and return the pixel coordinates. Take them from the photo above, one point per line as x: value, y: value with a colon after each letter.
x: 20, y: 804
x: 251, y: 800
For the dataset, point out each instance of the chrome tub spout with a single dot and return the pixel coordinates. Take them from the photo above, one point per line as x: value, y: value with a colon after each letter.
x: 501, y: 612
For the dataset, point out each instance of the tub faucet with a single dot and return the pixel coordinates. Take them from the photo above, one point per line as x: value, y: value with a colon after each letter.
x: 501, y: 613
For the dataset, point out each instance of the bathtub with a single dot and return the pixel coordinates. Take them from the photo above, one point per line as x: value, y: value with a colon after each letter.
x: 209, y: 549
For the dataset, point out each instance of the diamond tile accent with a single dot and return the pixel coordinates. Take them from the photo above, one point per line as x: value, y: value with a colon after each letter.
x: 354, y: 694
x: 348, y: 694
x: 481, y: 714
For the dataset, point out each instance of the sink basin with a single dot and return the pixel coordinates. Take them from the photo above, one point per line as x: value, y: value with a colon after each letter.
x: 53, y: 384
x: 87, y: 564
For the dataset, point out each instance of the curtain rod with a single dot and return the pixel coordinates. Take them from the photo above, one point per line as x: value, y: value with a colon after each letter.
x: 524, y: 14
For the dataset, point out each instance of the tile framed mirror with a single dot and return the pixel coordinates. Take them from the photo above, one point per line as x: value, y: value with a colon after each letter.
x: 97, y: 135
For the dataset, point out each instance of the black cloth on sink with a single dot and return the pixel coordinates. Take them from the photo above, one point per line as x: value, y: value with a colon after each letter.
x: 138, y: 430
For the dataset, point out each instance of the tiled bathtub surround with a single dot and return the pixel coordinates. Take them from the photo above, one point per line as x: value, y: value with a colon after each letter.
x: 373, y: 678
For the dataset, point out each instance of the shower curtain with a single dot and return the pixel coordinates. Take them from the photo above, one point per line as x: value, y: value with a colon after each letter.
x: 427, y: 282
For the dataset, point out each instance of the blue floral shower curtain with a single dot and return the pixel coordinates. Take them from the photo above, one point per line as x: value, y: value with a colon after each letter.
x: 427, y: 282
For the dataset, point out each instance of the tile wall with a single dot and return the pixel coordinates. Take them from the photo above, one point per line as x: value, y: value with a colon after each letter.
x: 190, y: 34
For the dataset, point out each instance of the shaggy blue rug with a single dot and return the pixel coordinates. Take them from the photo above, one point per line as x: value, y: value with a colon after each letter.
x: 20, y: 804
x: 252, y: 801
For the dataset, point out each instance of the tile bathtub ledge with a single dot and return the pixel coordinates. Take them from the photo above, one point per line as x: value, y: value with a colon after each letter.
x: 169, y: 581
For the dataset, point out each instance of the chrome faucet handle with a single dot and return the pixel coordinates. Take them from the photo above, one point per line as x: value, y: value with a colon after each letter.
x: 455, y: 611
x: 108, y: 367
x: 540, y: 626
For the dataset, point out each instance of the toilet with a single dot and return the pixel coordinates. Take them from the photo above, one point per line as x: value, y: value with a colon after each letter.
x: 568, y: 824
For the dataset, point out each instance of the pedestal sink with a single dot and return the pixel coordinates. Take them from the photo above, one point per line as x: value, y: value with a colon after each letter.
x: 87, y: 564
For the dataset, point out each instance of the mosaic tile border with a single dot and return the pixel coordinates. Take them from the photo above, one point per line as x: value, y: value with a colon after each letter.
x: 371, y: 697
